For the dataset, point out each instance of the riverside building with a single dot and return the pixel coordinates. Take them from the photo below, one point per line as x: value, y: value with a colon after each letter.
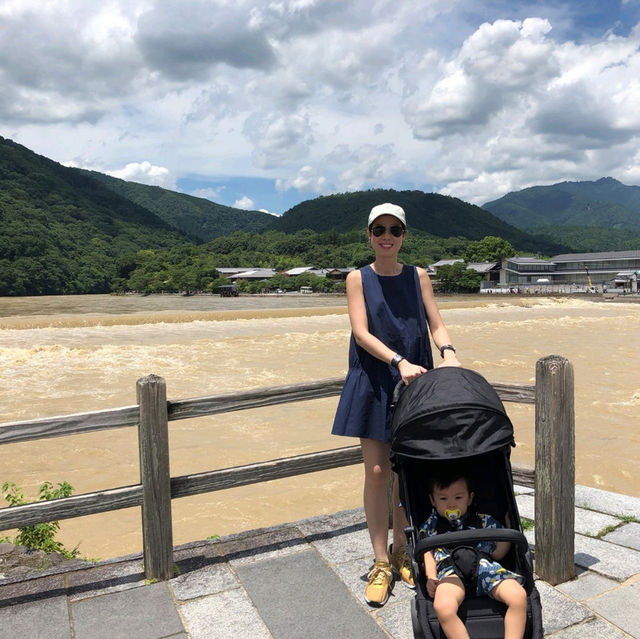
x: 606, y: 271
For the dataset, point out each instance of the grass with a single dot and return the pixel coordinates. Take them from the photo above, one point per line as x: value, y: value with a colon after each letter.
x: 527, y: 524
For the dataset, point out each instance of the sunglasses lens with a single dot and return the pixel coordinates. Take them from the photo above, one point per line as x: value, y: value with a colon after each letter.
x: 396, y: 231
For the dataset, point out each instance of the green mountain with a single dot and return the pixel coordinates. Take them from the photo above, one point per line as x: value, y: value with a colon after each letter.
x: 199, y: 218
x: 605, y: 203
x: 65, y: 232
x: 438, y: 215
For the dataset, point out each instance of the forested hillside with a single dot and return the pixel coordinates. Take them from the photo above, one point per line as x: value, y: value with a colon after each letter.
x: 438, y: 215
x: 588, y: 216
x: 64, y: 232
x: 201, y: 219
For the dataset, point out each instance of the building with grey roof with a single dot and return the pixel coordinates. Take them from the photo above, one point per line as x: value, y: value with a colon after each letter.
x: 605, y: 269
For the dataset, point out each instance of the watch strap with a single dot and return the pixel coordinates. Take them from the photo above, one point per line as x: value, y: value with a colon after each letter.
x: 446, y: 347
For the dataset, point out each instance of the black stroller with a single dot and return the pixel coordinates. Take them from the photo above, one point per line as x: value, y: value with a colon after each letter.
x: 454, y: 416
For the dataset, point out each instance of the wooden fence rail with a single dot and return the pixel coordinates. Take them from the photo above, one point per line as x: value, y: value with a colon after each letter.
x: 553, y: 402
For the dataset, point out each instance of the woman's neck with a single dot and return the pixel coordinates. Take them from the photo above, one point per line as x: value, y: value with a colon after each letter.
x: 387, y: 267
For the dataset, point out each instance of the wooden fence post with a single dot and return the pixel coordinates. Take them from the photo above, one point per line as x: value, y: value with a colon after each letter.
x: 153, y: 437
x: 554, y: 470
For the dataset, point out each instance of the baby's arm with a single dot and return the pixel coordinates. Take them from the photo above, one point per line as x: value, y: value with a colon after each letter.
x: 431, y: 573
x: 502, y: 548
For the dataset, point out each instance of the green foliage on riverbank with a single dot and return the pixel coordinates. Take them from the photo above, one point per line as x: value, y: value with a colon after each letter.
x: 39, y: 536
x: 457, y: 278
x: 189, y: 268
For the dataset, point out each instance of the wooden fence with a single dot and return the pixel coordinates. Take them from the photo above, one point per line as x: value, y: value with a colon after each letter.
x: 553, y: 477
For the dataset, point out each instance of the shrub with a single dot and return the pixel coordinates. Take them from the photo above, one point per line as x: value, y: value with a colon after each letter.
x: 40, y: 536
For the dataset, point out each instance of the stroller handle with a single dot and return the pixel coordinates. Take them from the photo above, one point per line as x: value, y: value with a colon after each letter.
x: 466, y: 537
x: 398, y: 388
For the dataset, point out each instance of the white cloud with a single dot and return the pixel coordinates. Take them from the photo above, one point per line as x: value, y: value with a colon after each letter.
x: 307, y: 180
x: 320, y: 96
x: 145, y: 173
x: 187, y: 39
x: 279, y: 139
x: 245, y: 203
x: 501, y: 66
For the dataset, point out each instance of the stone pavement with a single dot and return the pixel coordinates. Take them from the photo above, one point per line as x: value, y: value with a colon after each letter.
x: 305, y: 580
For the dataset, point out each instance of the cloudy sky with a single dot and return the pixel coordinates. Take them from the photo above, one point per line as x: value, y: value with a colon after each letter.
x: 263, y: 104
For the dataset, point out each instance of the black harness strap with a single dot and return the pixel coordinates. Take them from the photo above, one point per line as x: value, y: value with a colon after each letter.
x: 465, y: 560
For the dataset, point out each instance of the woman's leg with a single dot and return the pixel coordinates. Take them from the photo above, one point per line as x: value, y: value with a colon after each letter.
x: 399, y: 518
x: 377, y: 469
x: 514, y: 596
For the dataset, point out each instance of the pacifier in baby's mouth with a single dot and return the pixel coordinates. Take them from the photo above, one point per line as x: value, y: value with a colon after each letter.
x: 453, y: 515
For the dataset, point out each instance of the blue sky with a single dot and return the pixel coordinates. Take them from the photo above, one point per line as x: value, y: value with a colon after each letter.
x: 261, y: 105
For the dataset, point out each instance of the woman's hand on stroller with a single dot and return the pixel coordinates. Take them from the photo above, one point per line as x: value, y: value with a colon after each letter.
x: 410, y: 371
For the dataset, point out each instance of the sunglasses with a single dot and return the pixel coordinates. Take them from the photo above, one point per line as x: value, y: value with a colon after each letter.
x: 396, y: 231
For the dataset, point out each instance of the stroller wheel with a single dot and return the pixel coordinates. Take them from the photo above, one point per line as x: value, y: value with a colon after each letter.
x: 417, y: 628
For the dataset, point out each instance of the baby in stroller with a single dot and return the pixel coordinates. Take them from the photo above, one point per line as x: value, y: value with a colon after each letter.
x: 451, y: 497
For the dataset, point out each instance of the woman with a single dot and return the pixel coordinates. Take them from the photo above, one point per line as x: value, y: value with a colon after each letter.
x: 390, y: 306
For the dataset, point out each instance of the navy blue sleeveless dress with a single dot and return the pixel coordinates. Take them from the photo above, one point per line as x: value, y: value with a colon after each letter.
x: 396, y: 316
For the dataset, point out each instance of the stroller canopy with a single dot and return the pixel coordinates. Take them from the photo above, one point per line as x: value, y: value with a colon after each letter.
x: 449, y: 413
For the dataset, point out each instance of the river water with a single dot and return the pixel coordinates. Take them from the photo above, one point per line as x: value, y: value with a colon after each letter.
x: 62, y: 355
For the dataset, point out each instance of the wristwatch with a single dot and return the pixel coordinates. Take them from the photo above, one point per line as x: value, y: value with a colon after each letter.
x: 395, y: 360
x: 446, y: 347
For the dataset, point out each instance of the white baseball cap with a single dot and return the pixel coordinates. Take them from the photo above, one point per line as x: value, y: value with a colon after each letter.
x: 387, y: 209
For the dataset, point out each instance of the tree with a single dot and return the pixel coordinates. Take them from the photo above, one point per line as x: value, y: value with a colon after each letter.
x: 457, y: 278
x: 489, y: 249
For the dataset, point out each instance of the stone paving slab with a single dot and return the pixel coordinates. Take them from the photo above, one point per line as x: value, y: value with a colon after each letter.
x: 44, y: 618
x: 111, y: 577
x: 208, y: 580
x: 245, y: 549
x: 147, y: 612
x: 343, y: 548
x: 518, y: 489
x: 587, y: 522
x: 591, y: 629
x: 223, y: 616
x: 526, y: 506
x: 621, y: 607
x: 298, y: 596
x: 587, y: 585
x: 336, y: 524
x: 626, y: 535
x: 226, y: 588
x: 395, y: 618
x: 606, y: 558
x: 607, y: 502
x: 31, y: 590
x: 558, y: 610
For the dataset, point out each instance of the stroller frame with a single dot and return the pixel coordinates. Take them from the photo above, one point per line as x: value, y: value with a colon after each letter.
x: 453, y: 418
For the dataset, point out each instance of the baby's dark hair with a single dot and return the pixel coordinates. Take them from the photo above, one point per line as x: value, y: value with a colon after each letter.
x: 445, y: 479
